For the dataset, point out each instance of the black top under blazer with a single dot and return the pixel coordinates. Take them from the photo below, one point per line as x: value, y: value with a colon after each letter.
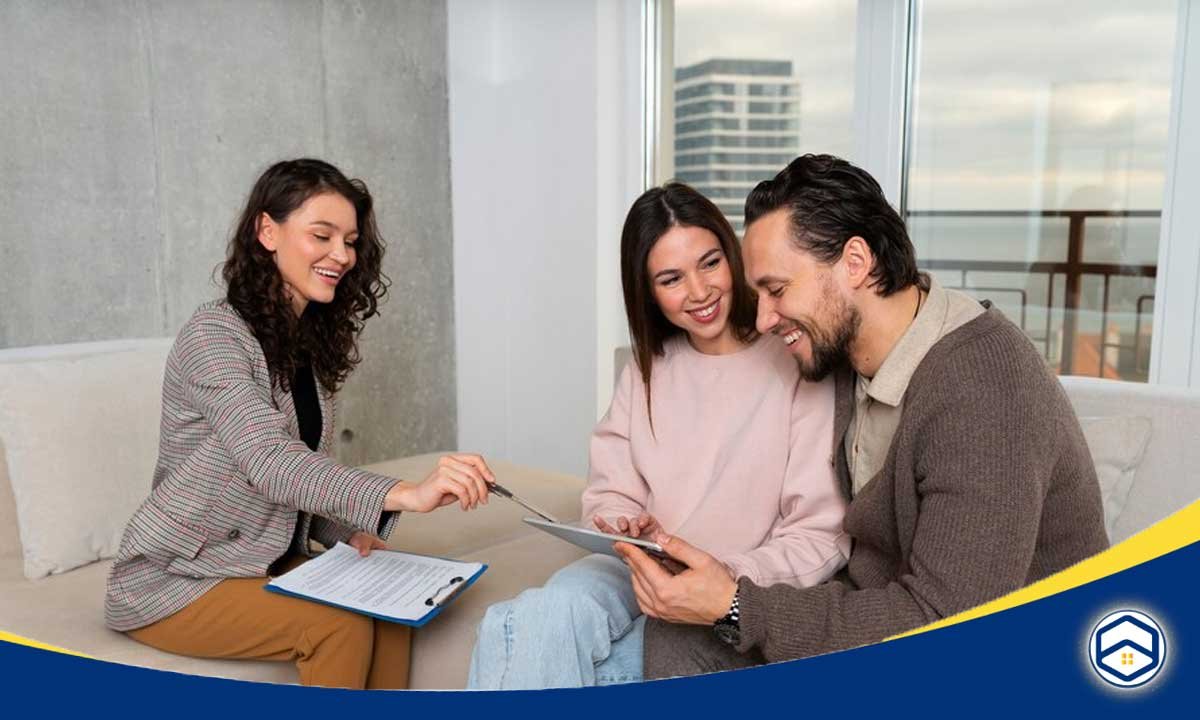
x: 234, y: 488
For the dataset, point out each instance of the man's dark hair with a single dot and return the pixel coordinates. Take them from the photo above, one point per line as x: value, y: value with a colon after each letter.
x: 830, y: 201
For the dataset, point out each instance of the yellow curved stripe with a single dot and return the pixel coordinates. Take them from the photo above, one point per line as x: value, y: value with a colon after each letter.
x: 1168, y: 535
x: 18, y: 640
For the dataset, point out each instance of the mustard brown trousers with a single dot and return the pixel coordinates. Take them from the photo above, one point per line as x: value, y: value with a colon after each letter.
x: 331, y: 647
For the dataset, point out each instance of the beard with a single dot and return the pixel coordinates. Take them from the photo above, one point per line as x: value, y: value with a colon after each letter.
x: 831, y: 344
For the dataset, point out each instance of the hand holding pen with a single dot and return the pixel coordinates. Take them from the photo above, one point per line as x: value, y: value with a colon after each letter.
x: 458, y: 477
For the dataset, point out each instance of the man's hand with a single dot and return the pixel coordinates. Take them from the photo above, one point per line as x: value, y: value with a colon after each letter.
x: 643, y: 524
x: 700, y: 595
x: 364, y: 543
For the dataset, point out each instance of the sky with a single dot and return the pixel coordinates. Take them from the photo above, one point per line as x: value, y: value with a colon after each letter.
x: 1019, y: 104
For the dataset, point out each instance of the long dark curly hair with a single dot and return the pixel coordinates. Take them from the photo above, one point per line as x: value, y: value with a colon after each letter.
x: 326, y: 335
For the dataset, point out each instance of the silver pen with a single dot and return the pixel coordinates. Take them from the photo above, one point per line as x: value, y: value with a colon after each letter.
x: 506, y: 493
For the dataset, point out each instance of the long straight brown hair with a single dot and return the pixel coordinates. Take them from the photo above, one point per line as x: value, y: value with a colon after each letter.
x: 650, y: 217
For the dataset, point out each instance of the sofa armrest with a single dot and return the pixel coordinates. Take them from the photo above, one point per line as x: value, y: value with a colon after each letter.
x: 10, y: 539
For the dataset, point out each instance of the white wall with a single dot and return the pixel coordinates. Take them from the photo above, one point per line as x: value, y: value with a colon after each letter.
x: 543, y: 146
x: 1175, y: 350
x: 620, y: 171
x: 880, y: 100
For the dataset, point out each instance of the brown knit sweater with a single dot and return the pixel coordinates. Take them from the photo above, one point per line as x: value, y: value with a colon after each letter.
x: 988, y: 486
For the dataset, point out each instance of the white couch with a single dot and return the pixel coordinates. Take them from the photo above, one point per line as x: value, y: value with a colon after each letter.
x: 66, y: 609
x: 1167, y: 478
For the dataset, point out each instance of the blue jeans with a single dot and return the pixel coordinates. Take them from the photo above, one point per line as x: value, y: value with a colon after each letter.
x: 582, y: 628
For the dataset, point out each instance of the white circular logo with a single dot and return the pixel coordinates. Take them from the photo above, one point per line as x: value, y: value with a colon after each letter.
x: 1127, y: 648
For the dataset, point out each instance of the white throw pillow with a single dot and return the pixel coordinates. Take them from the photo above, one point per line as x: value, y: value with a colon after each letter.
x: 79, y: 424
x: 1117, y: 444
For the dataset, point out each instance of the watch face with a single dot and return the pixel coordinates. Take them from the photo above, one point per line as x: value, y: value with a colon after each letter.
x: 728, y: 633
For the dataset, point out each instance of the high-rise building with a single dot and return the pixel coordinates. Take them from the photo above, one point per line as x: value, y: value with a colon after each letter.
x: 737, y: 122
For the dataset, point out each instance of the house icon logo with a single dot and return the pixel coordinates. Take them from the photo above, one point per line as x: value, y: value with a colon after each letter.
x: 1127, y: 648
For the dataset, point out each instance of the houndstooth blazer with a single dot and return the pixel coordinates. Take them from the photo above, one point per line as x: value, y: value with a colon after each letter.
x: 234, y: 484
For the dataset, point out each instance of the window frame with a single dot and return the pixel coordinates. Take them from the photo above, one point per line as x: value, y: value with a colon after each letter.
x: 887, y: 48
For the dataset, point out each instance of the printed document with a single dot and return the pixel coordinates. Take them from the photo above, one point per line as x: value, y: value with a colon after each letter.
x: 390, y: 585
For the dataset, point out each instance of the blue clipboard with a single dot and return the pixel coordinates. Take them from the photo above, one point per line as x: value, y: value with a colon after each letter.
x: 435, y: 609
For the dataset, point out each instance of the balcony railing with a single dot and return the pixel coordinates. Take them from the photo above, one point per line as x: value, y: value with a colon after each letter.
x: 1073, y: 270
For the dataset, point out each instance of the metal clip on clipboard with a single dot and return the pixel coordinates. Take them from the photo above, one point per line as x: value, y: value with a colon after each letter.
x: 434, y: 602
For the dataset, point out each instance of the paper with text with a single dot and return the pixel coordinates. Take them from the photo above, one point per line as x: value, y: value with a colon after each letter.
x: 386, y: 583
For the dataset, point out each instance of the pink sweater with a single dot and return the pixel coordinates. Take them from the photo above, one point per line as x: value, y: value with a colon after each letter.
x: 738, y: 464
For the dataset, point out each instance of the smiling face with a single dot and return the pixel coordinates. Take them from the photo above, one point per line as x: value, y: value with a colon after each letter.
x: 313, y: 247
x: 798, y: 298
x: 693, y: 286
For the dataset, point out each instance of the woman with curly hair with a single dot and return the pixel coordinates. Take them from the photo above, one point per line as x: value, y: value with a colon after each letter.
x: 244, y: 479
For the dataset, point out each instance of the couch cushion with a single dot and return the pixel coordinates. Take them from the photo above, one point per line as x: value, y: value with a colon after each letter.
x: 450, y: 532
x: 442, y: 649
x: 67, y: 610
x: 80, y: 430
x: 1117, y: 445
x: 1166, y: 479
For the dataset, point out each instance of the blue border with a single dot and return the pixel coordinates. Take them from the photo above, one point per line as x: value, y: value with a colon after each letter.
x: 1028, y: 660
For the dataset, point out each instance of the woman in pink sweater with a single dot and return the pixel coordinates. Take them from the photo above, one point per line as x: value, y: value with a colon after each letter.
x: 711, y: 435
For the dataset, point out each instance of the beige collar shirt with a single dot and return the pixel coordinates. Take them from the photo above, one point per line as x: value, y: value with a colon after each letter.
x: 879, y: 401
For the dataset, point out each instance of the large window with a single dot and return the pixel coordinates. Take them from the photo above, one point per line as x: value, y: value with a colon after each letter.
x: 1034, y: 148
x: 1038, y: 140
x: 750, y: 85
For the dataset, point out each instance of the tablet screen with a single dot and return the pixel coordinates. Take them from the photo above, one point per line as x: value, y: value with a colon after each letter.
x: 593, y: 540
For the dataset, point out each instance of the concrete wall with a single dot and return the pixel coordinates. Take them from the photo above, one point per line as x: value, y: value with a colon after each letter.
x: 133, y: 131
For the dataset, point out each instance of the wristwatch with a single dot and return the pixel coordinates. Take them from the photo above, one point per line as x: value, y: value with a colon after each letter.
x: 728, y: 629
